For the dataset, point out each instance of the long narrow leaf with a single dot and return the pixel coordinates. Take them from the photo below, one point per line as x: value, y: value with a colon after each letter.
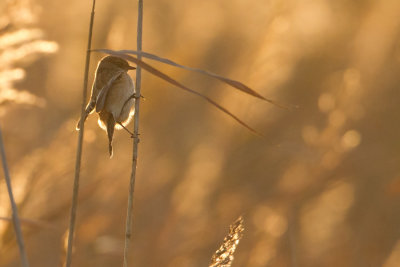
x: 167, y: 78
x: 14, y: 209
x: 236, y: 84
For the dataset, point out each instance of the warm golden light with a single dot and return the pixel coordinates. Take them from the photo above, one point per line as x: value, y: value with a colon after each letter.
x: 326, y: 102
x: 351, y: 139
x: 319, y: 187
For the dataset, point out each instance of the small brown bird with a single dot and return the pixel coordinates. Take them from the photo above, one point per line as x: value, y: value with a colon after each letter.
x: 113, y: 96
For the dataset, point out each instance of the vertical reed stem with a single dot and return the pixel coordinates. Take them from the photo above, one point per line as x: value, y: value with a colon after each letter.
x: 128, y: 228
x: 79, y: 148
x: 15, y: 218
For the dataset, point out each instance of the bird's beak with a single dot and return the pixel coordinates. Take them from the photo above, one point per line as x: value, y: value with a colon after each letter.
x: 131, y: 68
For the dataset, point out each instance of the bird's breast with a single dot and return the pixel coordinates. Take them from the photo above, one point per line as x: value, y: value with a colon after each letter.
x: 116, y: 101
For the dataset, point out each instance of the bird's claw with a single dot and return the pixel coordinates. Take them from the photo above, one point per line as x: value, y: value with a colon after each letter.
x: 135, y: 136
x: 135, y: 96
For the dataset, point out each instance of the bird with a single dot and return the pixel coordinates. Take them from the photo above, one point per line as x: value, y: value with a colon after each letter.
x: 113, y: 96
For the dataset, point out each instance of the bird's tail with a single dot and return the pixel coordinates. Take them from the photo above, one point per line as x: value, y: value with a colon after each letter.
x: 110, y: 133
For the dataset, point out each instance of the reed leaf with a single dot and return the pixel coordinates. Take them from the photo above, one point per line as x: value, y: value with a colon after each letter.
x: 167, y: 78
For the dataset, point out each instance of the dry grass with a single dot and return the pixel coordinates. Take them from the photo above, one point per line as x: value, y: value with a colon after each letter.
x: 323, y: 184
x: 223, y: 257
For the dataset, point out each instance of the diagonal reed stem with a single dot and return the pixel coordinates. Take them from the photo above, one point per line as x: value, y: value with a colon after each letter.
x: 75, y: 191
x: 15, y: 218
x: 128, y: 228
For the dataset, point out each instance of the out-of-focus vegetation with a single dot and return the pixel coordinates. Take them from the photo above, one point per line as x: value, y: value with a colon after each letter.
x: 321, y: 189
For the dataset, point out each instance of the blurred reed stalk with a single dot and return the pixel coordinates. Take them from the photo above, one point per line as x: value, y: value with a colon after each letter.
x: 79, y: 148
x: 128, y: 227
x: 15, y: 218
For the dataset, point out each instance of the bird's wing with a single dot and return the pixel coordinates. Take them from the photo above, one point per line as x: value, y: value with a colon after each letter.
x: 101, y: 98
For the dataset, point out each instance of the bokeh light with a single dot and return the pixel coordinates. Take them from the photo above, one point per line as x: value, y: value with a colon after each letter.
x: 321, y: 187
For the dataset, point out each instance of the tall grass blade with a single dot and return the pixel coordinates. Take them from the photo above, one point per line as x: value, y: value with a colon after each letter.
x: 15, y: 218
x: 129, y: 218
x: 74, y: 205
x: 167, y: 78
x: 236, y: 84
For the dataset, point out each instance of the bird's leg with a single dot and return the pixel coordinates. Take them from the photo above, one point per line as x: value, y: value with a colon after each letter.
x: 89, y: 108
x: 133, y: 96
x: 132, y: 134
x: 126, y: 129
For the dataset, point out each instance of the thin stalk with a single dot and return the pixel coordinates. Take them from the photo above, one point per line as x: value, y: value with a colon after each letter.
x: 75, y: 189
x: 15, y: 218
x: 128, y: 228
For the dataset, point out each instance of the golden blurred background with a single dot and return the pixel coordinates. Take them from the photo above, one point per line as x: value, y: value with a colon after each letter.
x: 322, y: 188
